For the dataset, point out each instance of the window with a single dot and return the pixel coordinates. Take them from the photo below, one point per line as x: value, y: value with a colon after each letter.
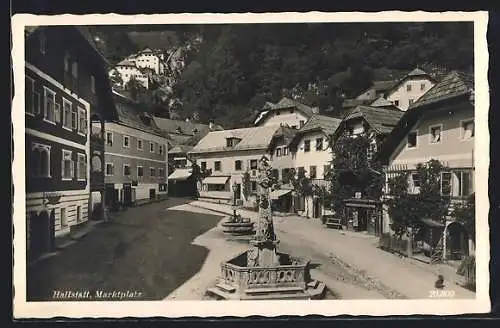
x: 161, y: 172
x: 445, y: 184
x: 415, y: 182
x: 412, y: 140
x: 302, y: 123
x: 276, y: 174
x: 81, y: 170
x: 64, y: 219
x: 51, y: 109
x: 160, y: 149
x: 312, y: 172
x: 126, y: 141
x: 467, y: 130
x: 43, y: 43
x: 92, y: 84
x: 67, y: 165
x: 285, y: 151
x: 109, y: 138
x: 301, y: 171
x: 151, y: 147
x: 285, y: 175
x: 408, y: 87
x: 464, y: 187
x: 126, y: 169
x: 203, y: 166
x: 139, y: 144
x: 217, y: 166
x: 67, y: 114
x: 140, y: 172
x: 32, y: 97
x: 237, y: 165
x: 435, y: 134
x: 278, y: 152
x: 152, y: 172
x: 253, y: 164
x: 307, y: 145
x: 40, y: 161
x: 110, y: 169
x: 74, y: 69
x: 422, y: 86
x: 254, y: 185
x: 319, y: 144
x: 66, y: 62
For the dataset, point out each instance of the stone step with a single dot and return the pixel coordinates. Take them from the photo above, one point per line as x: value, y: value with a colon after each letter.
x: 226, y: 287
x: 273, y: 290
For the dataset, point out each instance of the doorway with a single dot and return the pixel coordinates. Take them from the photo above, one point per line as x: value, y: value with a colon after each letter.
x: 42, y: 239
x: 152, y: 194
x: 127, y: 194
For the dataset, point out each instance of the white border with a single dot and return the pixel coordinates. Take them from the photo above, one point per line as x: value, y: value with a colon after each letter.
x: 176, y: 309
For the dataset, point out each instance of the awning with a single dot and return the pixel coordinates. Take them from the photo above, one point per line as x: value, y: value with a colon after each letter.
x: 275, y: 194
x: 180, y: 174
x: 215, y: 180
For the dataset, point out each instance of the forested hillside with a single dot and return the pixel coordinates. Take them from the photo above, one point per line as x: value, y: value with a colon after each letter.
x: 239, y: 67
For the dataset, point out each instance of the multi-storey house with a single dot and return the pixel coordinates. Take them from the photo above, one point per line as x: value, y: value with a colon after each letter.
x: 363, y: 212
x: 439, y: 126
x: 128, y: 70
x: 228, y: 154
x: 153, y: 60
x: 312, y: 155
x: 136, y: 157
x: 66, y: 87
x: 286, y: 112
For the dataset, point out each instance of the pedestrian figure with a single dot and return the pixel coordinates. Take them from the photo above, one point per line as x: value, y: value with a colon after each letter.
x: 439, y: 284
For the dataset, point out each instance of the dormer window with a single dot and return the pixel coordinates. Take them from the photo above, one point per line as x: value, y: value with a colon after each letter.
x: 231, y: 142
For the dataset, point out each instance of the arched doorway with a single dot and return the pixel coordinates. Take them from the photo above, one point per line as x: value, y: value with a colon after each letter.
x: 41, y: 233
x: 457, y: 241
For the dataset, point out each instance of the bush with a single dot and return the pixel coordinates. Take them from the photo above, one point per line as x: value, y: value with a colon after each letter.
x: 467, y: 269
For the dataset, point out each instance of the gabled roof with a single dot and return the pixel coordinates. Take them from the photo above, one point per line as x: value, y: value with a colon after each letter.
x: 382, y: 86
x: 381, y: 102
x: 454, y: 84
x: 126, y: 62
x: 349, y: 103
x: 380, y: 119
x: 286, y: 103
x: 326, y: 124
x: 415, y: 72
x: 148, y: 50
x: 255, y: 138
x: 129, y: 114
x: 284, y: 133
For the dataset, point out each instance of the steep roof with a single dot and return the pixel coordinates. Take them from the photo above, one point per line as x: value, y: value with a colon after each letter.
x: 126, y: 62
x: 382, y: 86
x: 285, y: 103
x: 326, y: 124
x: 251, y: 139
x: 183, y: 127
x: 349, y: 103
x: 413, y: 73
x: 454, y: 84
x: 380, y: 119
x: 129, y: 114
x: 381, y: 102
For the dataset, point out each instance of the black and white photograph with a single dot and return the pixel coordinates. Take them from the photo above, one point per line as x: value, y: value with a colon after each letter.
x: 219, y: 158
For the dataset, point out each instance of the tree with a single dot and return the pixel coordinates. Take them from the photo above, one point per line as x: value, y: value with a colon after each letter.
x: 116, y: 79
x: 465, y: 214
x: 135, y: 88
x: 247, y: 188
x: 408, y: 209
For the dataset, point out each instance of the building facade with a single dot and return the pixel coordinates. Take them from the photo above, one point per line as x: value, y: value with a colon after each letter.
x: 65, y: 85
x: 410, y: 88
x: 228, y: 155
x: 136, y: 157
x: 439, y: 126
x: 128, y: 70
x: 286, y: 112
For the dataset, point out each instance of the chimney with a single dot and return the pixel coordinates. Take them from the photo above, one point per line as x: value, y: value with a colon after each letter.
x: 211, y: 125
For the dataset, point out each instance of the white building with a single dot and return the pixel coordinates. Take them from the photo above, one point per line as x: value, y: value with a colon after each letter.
x: 312, y: 154
x: 228, y: 155
x: 128, y: 70
x: 153, y: 60
x: 286, y: 112
x: 410, y: 88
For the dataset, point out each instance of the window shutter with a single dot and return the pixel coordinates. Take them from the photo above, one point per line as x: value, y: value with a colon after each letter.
x: 62, y: 168
x: 74, y: 119
x: 57, y: 112
x: 85, y: 123
x: 72, y: 168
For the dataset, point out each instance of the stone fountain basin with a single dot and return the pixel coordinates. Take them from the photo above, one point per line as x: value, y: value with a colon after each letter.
x: 242, y: 227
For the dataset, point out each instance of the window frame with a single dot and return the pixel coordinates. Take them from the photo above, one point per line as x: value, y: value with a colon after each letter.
x: 141, y: 142
x: 236, y: 162
x: 431, y: 127
x: 137, y: 171
x: 416, y: 139
x: 307, y: 145
x: 462, y: 129
x: 78, y: 157
x: 161, y: 172
x: 32, y: 95
x: 65, y: 102
x: 408, y: 87
x: 215, y: 166
x: 152, y: 172
x: 320, y: 143
x: 256, y: 164
x: 151, y: 146
x: 441, y: 183
x: 313, y: 168
x: 82, y: 113
x: 42, y: 148
x: 112, y: 165
x: 129, y: 169
x: 46, y: 93
x: 126, y: 137
x: 107, y: 139
x: 63, y: 167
